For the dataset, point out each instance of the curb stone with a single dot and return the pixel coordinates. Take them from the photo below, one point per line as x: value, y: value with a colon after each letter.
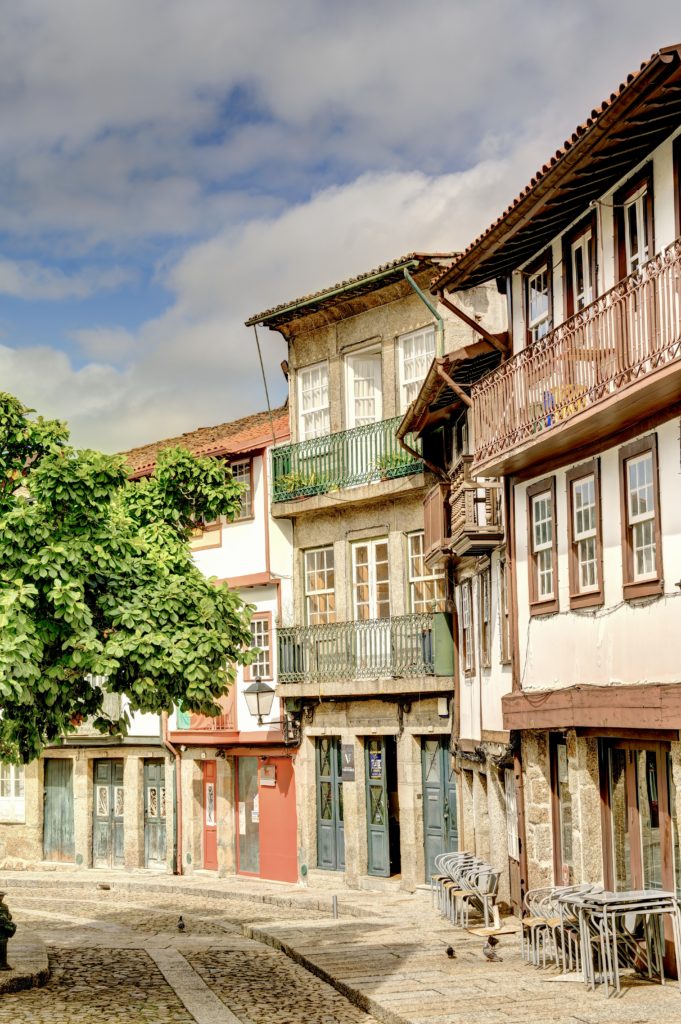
x: 30, y: 966
x: 353, y: 995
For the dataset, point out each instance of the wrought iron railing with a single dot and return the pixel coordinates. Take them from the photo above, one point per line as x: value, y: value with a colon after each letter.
x: 624, y: 336
x: 398, y: 647
x: 350, y: 457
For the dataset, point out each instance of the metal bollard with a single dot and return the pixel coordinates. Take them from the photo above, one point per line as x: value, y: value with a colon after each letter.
x: 334, y: 906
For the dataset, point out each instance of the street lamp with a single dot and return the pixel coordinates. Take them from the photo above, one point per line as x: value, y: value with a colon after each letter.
x: 259, y: 697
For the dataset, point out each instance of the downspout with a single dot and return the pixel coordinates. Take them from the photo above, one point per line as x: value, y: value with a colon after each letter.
x: 439, y: 322
x: 177, y: 796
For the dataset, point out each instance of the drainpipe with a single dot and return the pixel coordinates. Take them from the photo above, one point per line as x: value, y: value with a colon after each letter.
x: 439, y: 325
x: 177, y: 796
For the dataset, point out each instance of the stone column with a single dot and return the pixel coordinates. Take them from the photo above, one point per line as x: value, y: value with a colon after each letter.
x: 587, y: 838
x: 410, y: 795
x: 481, y: 812
x: 226, y: 826
x: 82, y: 809
x: 133, y: 811
x: 535, y: 756
x: 354, y: 804
x: 306, y: 802
x: 498, y: 838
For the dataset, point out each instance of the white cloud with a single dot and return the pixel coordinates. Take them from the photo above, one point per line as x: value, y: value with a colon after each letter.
x: 105, y: 344
x: 26, y: 279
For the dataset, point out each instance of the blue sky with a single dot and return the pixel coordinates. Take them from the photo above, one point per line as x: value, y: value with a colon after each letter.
x: 168, y: 168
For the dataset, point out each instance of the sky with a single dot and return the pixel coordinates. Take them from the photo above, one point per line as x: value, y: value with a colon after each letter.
x: 169, y: 168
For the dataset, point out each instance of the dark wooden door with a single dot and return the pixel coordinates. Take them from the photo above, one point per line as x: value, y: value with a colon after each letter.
x: 330, y: 825
x: 109, y: 802
x: 210, y: 829
x: 58, y: 832
x: 155, y: 814
x: 440, y: 817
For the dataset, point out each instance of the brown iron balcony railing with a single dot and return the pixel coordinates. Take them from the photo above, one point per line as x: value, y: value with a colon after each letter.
x: 626, y: 336
x: 398, y: 647
x: 226, y: 722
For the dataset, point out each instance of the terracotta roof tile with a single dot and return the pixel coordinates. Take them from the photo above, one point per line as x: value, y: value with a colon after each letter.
x: 243, y: 435
x: 580, y: 131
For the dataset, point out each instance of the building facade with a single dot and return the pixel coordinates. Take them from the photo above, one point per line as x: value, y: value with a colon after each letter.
x: 366, y: 656
x: 236, y: 807
x: 582, y: 422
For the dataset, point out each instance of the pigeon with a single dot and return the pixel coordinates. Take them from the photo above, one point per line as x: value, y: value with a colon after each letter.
x: 180, y: 924
x: 450, y: 952
x: 103, y: 885
x: 490, y: 951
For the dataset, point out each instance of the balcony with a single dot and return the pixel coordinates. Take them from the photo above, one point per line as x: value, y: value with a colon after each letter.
x: 615, y: 362
x: 477, y: 524
x: 349, y: 458
x: 347, y: 658
x: 206, y: 728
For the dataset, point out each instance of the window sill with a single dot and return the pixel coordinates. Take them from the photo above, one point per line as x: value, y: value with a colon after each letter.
x: 544, y: 607
x: 593, y: 599
x: 644, y: 588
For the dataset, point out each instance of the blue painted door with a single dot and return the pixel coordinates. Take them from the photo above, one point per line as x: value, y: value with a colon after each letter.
x: 58, y: 832
x: 440, y: 817
x: 330, y: 827
x: 382, y: 805
x: 154, y: 814
x: 109, y: 802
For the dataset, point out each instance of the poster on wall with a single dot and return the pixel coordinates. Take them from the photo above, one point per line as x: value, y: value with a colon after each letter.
x: 242, y: 818
x: 255, y: 813
x: 375, y: 768
x: 268, y: 775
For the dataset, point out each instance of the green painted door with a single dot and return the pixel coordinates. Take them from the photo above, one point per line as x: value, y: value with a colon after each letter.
x: 109, y: 801
x: 440, y: 818
x: 379, y: 828
x: 154, y: 814
x: 330, y: 827
x: 58, y: 834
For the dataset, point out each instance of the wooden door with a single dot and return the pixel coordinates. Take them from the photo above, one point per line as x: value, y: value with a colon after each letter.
x: 210, y: 829
x: 330, y: 824
x: 440, y: 818
x: 108, y: 806
x: 278, y: 828
x: 154, y: 814
x: 58, y: 831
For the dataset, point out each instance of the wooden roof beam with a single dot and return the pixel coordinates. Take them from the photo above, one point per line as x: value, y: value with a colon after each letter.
x: 473, y: 324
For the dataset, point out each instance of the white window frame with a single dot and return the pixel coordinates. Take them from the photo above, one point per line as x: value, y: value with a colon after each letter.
x: 511, y: 801
x: 540, y: 325
x: 237, y: 467
x: 321, y: 408
x: 12, y: 793
x: 261, y: 630
x: 635, y: 260
x: 415, y: 555
x: 407, y: 382
x: 542, y: 548
x: 639, y: 522
x: 585, y: 536
x: 467, y: 632
x: 372, y: 581
x: 583, y: 244
x: 372, y: 354
x: 315, y: 618
x: 485, y: 597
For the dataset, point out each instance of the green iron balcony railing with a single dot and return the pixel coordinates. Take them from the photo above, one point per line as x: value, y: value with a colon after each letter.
x: 398, y: 647
x: 350, y: 457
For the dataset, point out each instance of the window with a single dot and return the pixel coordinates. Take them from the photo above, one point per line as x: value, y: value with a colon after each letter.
x: 261, y: 629
x: 427, y: 590
x: 633, y: 206
x: 371, y: 579
x: 320, y: 597
x: 504, y: 612
x: 12, y: 800
x: 542, y: 550
x: 364, y: 391
x: 641, y: 542
x: 485, y: 600
x: 579, y: 266
x: 584, y: 535
x: 416, y: 353
x: 467, y: 638
x: 242, y: 472
x: 538, y: 300
x: 561, y: 807
x: 313, y: 400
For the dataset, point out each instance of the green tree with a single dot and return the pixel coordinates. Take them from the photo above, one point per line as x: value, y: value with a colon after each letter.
x: 98, y: 590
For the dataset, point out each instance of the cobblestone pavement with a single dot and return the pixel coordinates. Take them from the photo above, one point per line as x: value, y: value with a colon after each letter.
x: 103, y: 944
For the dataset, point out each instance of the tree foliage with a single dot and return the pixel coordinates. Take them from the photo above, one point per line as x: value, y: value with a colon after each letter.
x: 98, y: 590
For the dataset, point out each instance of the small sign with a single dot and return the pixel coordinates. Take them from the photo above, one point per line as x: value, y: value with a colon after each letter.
x: 255, y: 813
x: 375, y: 764
x: 348, y: 762
x: 268, y: 775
